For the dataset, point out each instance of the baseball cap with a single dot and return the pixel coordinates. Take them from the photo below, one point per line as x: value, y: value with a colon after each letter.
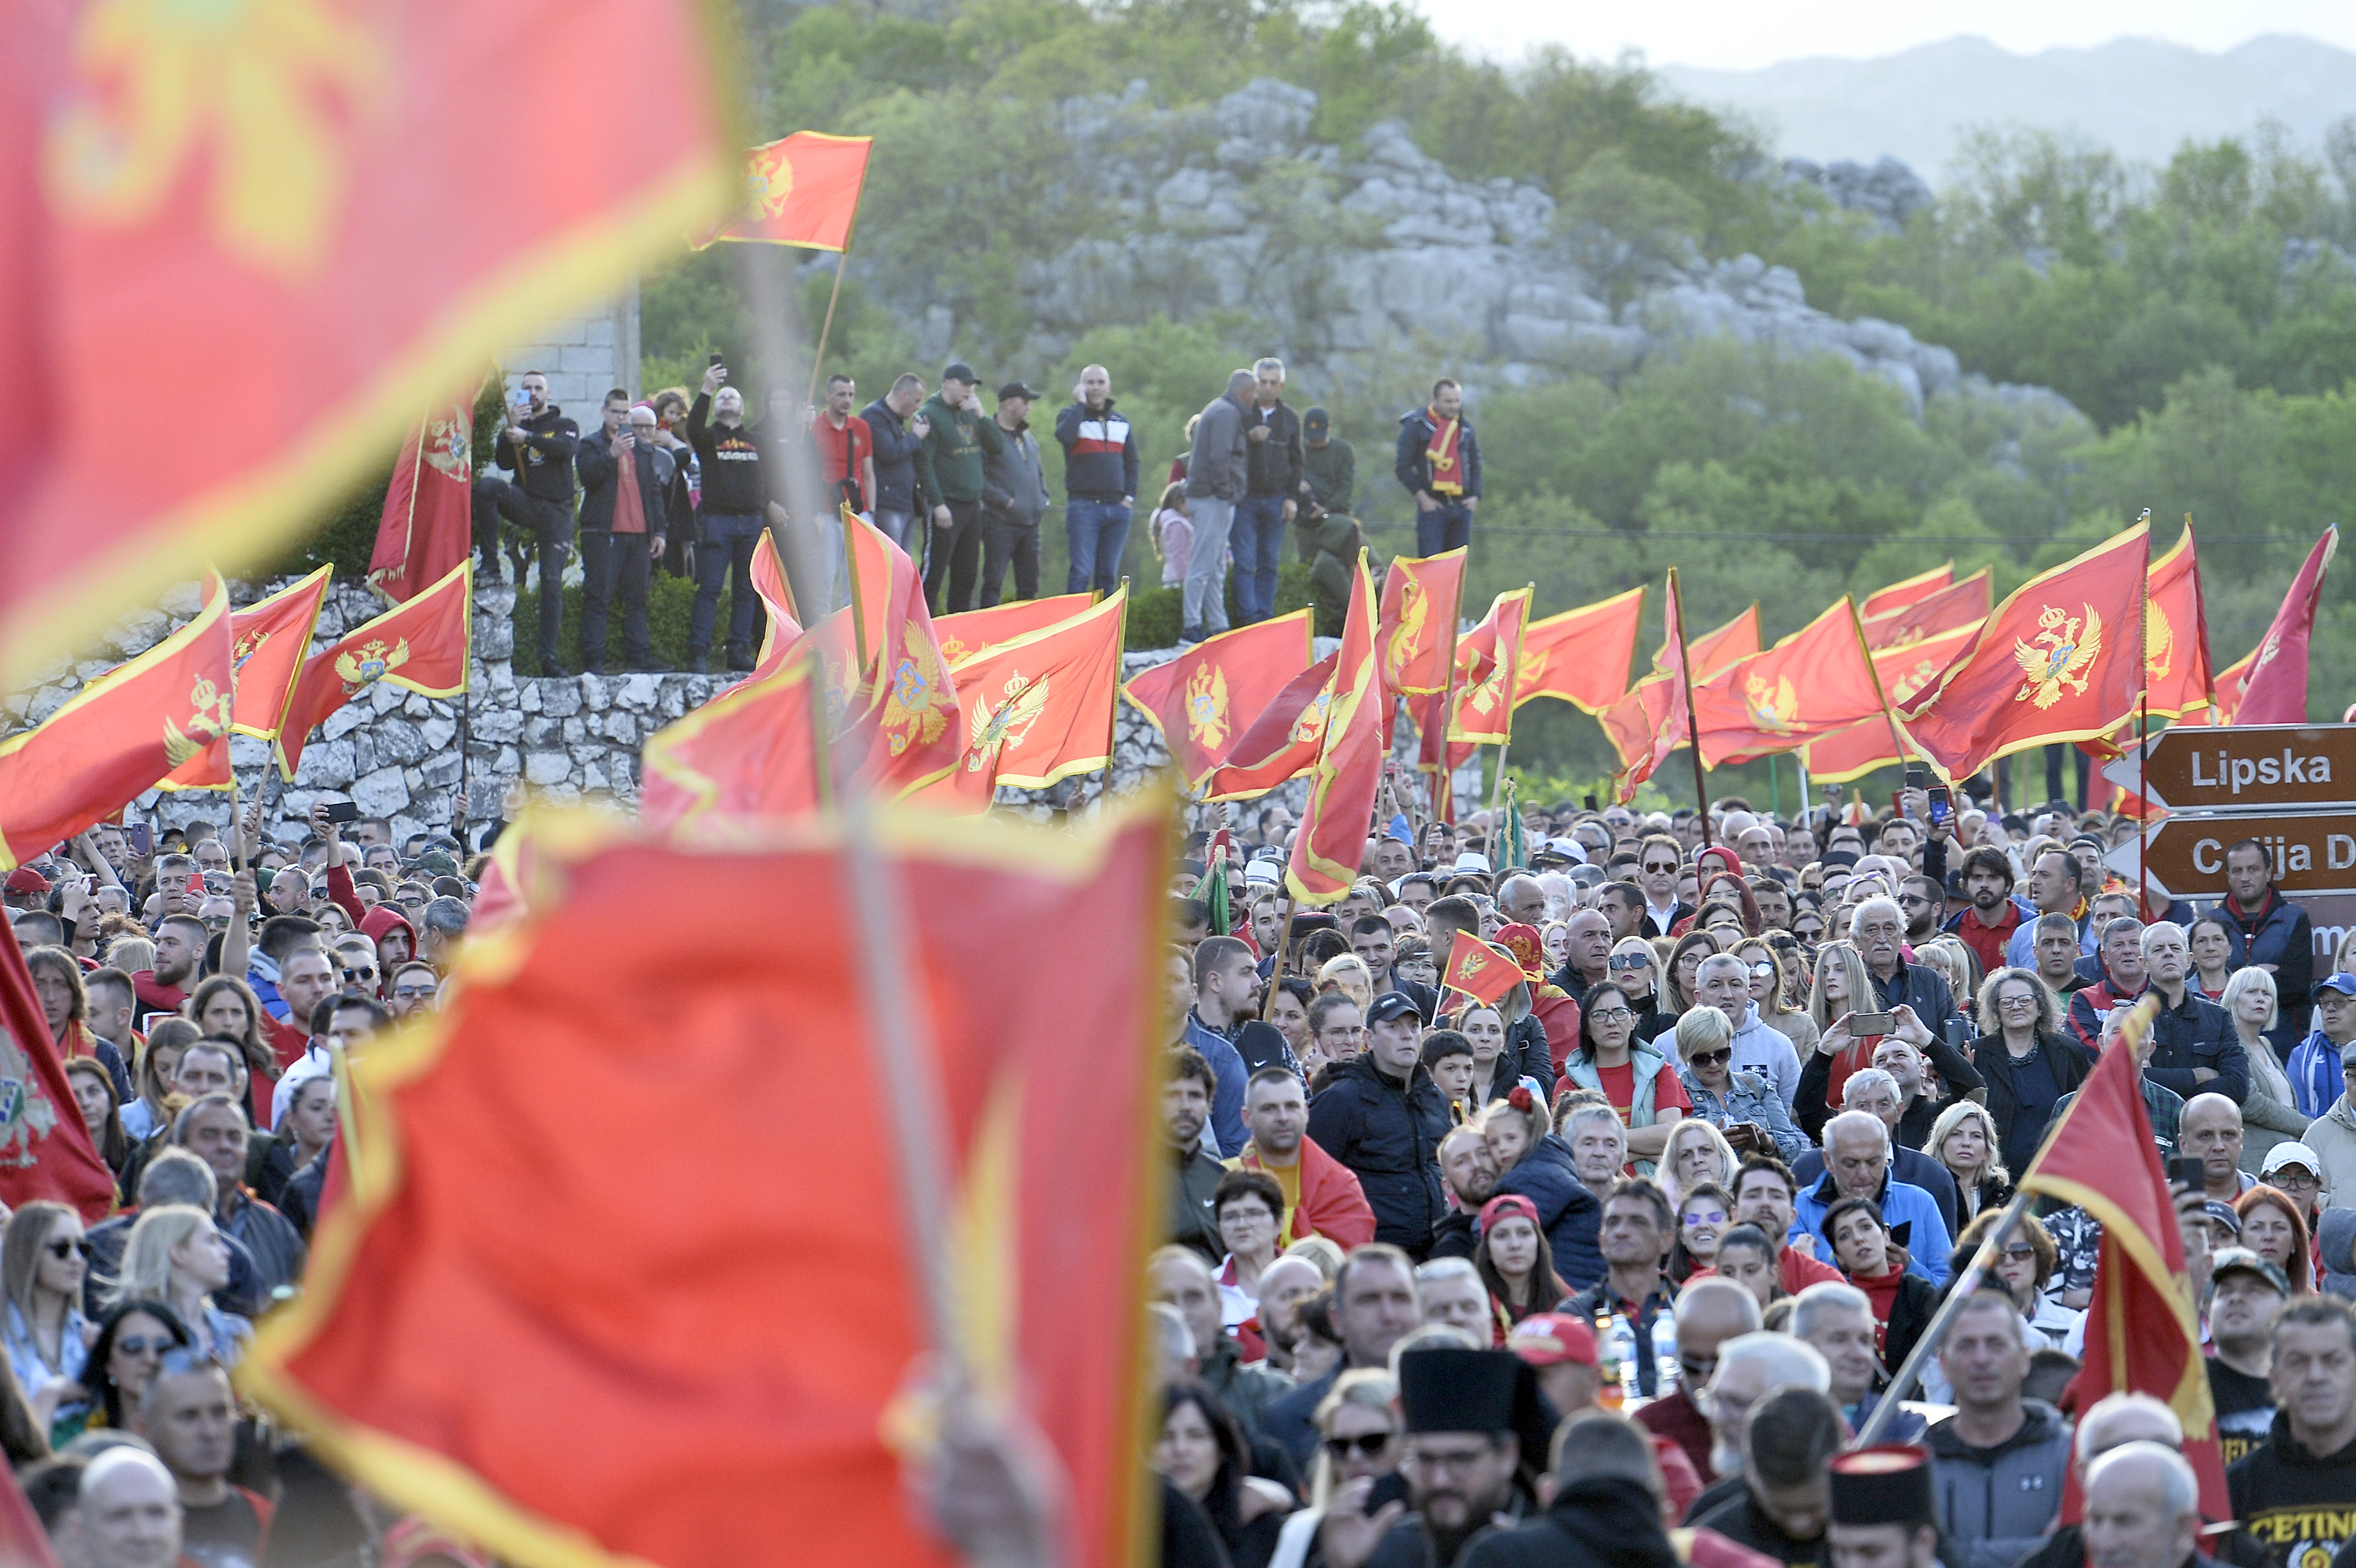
x: 1316, y: 419
x: 1263, y: 873
x: 2228, y: 1260
x: 1551, y: 1339
x: 25, y: 879
x: 2222, y: 1213
x: 1394, y: 1004
x: 1505, y: 1204
x: 2344, y: 982
x: 1016, y: 389
x: 960, y: 370
x: 2291, y: 1153
x: 1472, y: 860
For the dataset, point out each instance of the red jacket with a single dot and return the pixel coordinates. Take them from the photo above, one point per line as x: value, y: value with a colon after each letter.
x: 1333, y: 1204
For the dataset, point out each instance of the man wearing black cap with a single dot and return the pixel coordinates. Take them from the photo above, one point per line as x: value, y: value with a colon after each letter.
x: 1381, y: 1114
x: 1013, y: 499
x: 1463, y: 1410
x: 1881, y: 1511
x: 959, y: 434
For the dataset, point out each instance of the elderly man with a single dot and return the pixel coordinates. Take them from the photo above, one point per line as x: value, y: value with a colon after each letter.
x: 1710, y: 1313
x: 2210, y: 1127
x: 1878, y: 927
x: 1588, y: 959
x: 2116, y: 1421
x: 1791, y: 1436
x: 2122, y: 981
x: 128, y: 1511
x: 2198, y: 1049
x: 1451, y: 1293
x: 2314, y: 1064
x: 1998, y: 1460
x: 2294, y: 1491
x: 1837, y: 1319
x: 1750, y: 1367
x: 2143, y: 1510
x: 1877, y: 1093
x: 1179, y: 1277
x: 1723, y: 982
x: 1857, y: 1165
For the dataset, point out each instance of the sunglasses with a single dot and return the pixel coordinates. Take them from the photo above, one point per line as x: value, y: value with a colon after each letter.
x: 1708, y: 1058
x: 1762, y: 970
x: 410, y: 993
x: 368, y: 974
x: 2019, y: 1252
x: 1705, y: 1217
x: 1629, y: 961
x: 1369, y: 1445
x: 140, y: 1344
x: 62, y: 1249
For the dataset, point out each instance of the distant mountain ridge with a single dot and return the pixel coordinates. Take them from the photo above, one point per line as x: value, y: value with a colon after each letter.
x: 2139, y: 97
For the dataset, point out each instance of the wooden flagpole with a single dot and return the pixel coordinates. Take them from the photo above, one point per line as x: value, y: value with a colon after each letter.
x: 1693, y: 740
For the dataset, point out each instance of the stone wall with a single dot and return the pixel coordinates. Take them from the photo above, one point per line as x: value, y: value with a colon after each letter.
x: 584, y: 358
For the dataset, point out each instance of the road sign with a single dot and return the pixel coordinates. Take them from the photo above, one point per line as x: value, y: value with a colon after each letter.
x: 2245, y: 767
x: 2314, y: 852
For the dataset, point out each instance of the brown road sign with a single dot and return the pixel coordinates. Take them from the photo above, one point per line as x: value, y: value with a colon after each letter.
x: 2313, y: 851
x: 2236, y: 767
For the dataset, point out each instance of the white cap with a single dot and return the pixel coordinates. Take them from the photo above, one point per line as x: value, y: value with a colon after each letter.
x: 1262, y: 874
x: 1472, y: 860
x: 1570, y: 847
x: 2292, y: 1153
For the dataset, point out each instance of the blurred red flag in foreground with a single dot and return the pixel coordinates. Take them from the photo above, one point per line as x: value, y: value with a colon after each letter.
x: 516, y: 1324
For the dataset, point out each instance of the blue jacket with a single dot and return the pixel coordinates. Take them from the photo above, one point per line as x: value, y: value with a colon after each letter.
x: 1227, y: 1100
x: 1750, y: 1097
x: 1568, y: 1213
x: 1099, y: 452
x: 1902, y: 1204
x: 895, y: 458
x: 2313, y: 1073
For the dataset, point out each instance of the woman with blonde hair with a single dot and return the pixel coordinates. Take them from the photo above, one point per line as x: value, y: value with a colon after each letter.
x: 1698, y: 1155
x: 158, y: 1063
x: 2270, y: 1113
x: 1768, y: 989
x: 176, y: 1255
x: 1348, y: 975
x: 1358, y: 1439
x: 44, y: 1260
x: 1723, y: 1095
x: 1844, y: 986
x: 1958, y: 965
x: 1965, y: 1141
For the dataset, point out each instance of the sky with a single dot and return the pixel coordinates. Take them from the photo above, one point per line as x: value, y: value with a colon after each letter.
x: 1742, y: 35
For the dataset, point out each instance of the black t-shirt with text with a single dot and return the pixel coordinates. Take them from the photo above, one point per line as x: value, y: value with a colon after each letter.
x: 2245, y: 1409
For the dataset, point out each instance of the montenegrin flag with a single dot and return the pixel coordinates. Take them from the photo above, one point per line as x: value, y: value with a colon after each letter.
x: 1480, y: 971
x: 520, y: 1336
x: 1335, y: 820
x: 2272, y: 688
x: 760, y: 751
x: 268, y: 644
x: 46, y: 1147
x: 1039, y: 708
x: 899, y: 675
x: 1713, y: 651
x: 776, y: 594
x: 970, y: 630
x: 801, y: 190
x: 1283, y: 742
x: 1942, y: 609
x: 1203, y: 700
x: 1581, y: 656
x: 1488, y: 664
x: 423, y: 646
x: 1898, y: 595
x: 1417, y: 630
x: 1849, y: 754
x: 322, y: 215
x: 2176, y: 633
x: 1816, y: 681
x: 170, y: 710
x: 428, y: 523
x: 2055, y: 662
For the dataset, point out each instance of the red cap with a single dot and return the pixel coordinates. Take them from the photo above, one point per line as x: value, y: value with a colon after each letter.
x: 1526, y: 946
x: 1506, y: 1203
x: 1551, y: 1339
x: 25, y: 879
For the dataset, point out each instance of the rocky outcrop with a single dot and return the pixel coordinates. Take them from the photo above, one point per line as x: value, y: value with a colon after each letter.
x: 1886, y: 191
x: 1347, y: 256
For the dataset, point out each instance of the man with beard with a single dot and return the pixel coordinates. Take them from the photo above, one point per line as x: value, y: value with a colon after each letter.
x: 1186, y: 1089
x: 1321, y: 1197
x: 1882, y: 1512
x: 1469, y: 1173
x: 1460, y: 1409
x: 1988, y: 926
x: 180, y: 942
x: 1790, y: 1437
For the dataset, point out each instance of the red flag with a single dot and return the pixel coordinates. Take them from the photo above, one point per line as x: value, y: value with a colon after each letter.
x: 777, y: 594
x: 1203, y: 700
x: 1898, y: 595
x: 902, y: 676
x: 1331, y: 839
x: 1479, y: 970
x: 2142, y: 1333
x: 2228, y: 685
x: 970, y: 631
x: 288, y: 211
x: 480, y: 1290
x: 170, y: 711
x: 801, y: 190
x: 268, y: 645
x: 1815, y: 682
x: 1282, y: 743
x: 1904, y: 672
x: 759, y: 749
x: 1039, y: 708
x: 1581, y: 656
x: 2176, y: 633
x: 1488, y: 667
x: 2274, y: 688
x: 423, y: 646
x: 45, y: 1150
x: 428, y: 524
x: 1713, y: 651
x: 1958, y: 604
x: 1421, y: 599
x: 2056, y: 662
x: 1653, y: 719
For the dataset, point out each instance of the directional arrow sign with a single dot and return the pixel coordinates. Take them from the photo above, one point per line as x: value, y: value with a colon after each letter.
x: 2254, y: 766
x: 2313, y: 851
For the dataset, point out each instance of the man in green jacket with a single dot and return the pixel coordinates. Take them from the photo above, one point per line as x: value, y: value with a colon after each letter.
x: 949, y: 468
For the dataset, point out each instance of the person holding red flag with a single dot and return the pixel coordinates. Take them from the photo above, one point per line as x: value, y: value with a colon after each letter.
x: 45, y: 1149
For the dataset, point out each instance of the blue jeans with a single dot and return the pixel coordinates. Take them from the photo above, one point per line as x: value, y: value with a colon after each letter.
x: 1098, y: 532
x: 727, y: 544
x: 1258, y: 536
x: 1444, y: 527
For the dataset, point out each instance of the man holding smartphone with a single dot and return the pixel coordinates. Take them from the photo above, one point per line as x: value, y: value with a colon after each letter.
x: 624, y: 477
x: 735, y: 509
x: 537, y: 445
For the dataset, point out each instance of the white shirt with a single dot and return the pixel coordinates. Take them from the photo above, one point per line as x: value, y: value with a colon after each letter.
x: 314, y: 1062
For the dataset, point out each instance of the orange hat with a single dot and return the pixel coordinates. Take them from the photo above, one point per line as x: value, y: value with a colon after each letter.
x: 1551, y: 1339
x: 1526, y: 946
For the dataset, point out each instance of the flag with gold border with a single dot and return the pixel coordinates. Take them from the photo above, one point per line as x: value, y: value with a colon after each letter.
x: 1282, y: 743
x: 2176, y: 633
x: 268, y: 645
x: 1205, y: 700
x: 1905, y: 672
x: 1942, y: 609
x: 970, y: 631
x: 1422, y: 597
x: 1037, y: 709
x: 428, y: 523
x: 1815, y: 682
x: 1479, y: 969
x: 424, y: 645
x: 1899, y: 594
x: 1335, y: 820
x: 801, y: 190
x: 1581, y: 656
x: 777, y: 595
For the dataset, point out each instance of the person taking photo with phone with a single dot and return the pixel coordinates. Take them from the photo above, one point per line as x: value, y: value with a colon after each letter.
x: 537, y: 445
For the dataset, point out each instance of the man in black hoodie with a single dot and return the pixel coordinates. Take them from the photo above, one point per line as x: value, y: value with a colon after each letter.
x: 736, y: 508
x: 624, y: 477
x: 537, y: 445
x: 1604, y: 1510
x: 2296, y: 1492
x: 1381, y: 1114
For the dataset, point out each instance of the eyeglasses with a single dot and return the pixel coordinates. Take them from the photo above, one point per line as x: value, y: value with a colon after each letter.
x: 364, y: 973
x: 1366, y: 1446
x: 1612, y: 1015
x: 140, y: 1344
x: 410, y: 993
x: 1464, y: 1460
x: 1705, y: 1217
x: 1913, y: 900
x: 2019, y: 1252
x: 62, y: 1249
x: 1709, y: 1058
x: 1762, y: 970
x: 2015, y: 1001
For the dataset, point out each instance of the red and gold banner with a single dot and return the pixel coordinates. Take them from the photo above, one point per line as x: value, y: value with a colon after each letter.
x: 801, y: 190
x: 1713, y: 651
x: 1422, y: 597
x: 1654, y: 719
x: 44, y: 1148
x: 2273, y: 686
x: 1204, y: 700
x: 267, y: 644
x: 1815, y: 682
x: 776, y: 594
x: 759, y: 751
x: 1898, y: 595
x: 900, y: 674
x: 170, y: 711
x: 1905, y: 673
x: 1331, y: 840
x: 968, y: 632
x: 1581, y: 656
x: 423, y: 646
x: 759, y: 1344
x: 320, y: 215
x: 2055, y: 662
x: 1282, y: 743
x: 1479, y: 970
x: 1958, y: 605
x: 2143, y: 1332
x: 2176, y: 633
x: 1039, y: 708
x: 1488, y: 664
x: 428, y: 524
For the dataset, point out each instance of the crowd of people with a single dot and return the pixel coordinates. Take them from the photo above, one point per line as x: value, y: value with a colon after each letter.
x: 1669, y: 1220
x: 200, y: 993
x: 958, y: 483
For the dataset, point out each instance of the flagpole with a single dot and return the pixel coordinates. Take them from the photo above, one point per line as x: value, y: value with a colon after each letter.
x: 1897, y: 736
x: 1959, y: 1295
x: 818, y: 360
x: 2143, y: 715
x: 1693, y: 736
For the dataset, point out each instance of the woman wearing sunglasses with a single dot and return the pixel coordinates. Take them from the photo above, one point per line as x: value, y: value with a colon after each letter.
x: 1635, y: 967
x: 1723, y: 1095
x: 2022, y: 1270
x: 1358, y: 1429
x: 44, y: 1260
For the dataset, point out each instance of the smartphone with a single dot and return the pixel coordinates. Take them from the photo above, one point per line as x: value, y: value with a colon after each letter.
x: 2188, y: 1170
x: 711, y: 362
x: 1942, y: 803
x: 143, y: 838
x: 1915, y: 778
x: 1959, y: 1035
x: 1591, y: 801
x: 343, y: 811
x: 1863, y: 1024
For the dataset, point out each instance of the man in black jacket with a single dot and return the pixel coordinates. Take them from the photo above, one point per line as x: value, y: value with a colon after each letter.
x: 2296, y: 1492
x: 1383, y: 1116
x: 1186, y: 1087
x: 1786, y: 1498
x: 899, y: 430
x: 735, y: 509
x: 623, y: 478
x: 1273, y: 482
x: 537, y: 445
x: 1605, y: 1507
x: 1101, y: 468
x: 1439, y: 464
